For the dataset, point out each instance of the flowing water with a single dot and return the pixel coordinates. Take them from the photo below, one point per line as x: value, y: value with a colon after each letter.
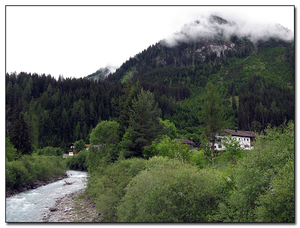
x: 30, y: 206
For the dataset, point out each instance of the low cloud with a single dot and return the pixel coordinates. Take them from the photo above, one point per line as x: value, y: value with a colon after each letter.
x: 112, y: 68
x: 214, y: 26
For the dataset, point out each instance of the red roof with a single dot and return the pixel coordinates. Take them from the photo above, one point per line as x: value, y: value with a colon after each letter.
x: 240, y: 133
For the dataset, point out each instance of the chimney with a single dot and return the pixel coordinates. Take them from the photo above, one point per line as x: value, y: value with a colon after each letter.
x: 235, y: 129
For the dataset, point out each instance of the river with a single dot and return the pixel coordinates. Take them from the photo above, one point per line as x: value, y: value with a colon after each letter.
x: 31, y: 205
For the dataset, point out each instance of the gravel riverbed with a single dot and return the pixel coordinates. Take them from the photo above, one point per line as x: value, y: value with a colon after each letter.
x: 74, y: 207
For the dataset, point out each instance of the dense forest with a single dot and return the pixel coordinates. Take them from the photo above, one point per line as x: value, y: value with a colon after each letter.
x: 135, y: 117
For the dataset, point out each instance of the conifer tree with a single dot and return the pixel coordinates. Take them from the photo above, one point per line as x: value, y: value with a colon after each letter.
x: 144, y: 124
x: 20, y: 137
x: 212, y: 116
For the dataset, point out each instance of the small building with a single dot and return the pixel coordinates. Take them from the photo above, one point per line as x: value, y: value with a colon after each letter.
x: 243, y: 137
x: 186, y: 141
x: 87, y: 146
x: 71, y: 150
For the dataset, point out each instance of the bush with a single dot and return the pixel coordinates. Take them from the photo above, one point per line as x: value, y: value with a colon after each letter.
x: 32, y: 168
x: 170, y: 191
x: 107, y: 186
x: 277, y: 203
x: 258, y: 171
x: 78, y: 161
x: 166, y: 147
x: 198, y: 159
x: 11, y: 152
x: 16, y: 174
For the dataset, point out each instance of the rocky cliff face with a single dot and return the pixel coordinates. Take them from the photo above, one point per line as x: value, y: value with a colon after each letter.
x: 204, y: 50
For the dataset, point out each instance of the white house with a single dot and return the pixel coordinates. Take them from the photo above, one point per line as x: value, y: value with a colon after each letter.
x: 243, y: 137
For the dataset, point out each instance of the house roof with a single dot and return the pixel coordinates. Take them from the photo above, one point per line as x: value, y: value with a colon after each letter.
x: 185, y: 141
x: 240, y: 133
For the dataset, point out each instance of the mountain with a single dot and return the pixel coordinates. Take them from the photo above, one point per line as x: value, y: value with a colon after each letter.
x: 251, y: 65
x: 212, y: 43
x: 253, y: 70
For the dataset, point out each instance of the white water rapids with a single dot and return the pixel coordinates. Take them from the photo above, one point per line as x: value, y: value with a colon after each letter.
x: 31, y: 205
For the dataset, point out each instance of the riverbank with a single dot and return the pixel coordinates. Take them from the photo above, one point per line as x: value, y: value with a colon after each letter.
x: 34, y: 185
x: 74, y: 207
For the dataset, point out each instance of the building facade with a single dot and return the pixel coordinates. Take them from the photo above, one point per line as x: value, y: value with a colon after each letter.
x: 245, y: 139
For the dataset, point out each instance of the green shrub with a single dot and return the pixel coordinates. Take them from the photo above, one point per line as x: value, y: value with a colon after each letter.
x: 277, y: 203
x: 106, y: 186
x: 11, y: 152
x: 258, y: 171
x: 16, y: 174
x: 32, y: 168
x: 78, y: 161
x: 166, y: 147
x: 170, y: 191
x: 198, y: 159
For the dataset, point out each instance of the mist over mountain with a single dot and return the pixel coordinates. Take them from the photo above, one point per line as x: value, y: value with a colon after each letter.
x: 219, y: 28
x: 102, y: 73
x: 214, y: 34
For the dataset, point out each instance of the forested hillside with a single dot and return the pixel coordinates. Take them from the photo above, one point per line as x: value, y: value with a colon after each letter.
x: 59, y: 112
x: 256, y: 82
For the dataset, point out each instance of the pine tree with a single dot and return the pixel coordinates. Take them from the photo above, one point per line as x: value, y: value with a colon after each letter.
x: 20, y: 137
x: 144, y: 124
x: 212, y: 116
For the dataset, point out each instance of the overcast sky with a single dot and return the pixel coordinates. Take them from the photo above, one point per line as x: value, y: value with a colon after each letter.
x: 75, y: 41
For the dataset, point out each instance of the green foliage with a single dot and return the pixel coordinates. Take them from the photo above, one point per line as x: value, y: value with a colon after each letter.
x: 77, y: 161
x: 16, y: 174
x: 31, y: 168
x: 198, y: 159
x: 11, y: 152
x: 170, y: 128
x: 277, y: 203
x: 101, y: 156
x: 144, y: 125
x: 20, y: 137
x: 170, y: 192
x: 233, y: 150
x: 79, y: 145
x: 262, y: 102
x: 104, y: 144
x: 106, y: 132
x: 50, y: 151
x: 212, y: 116
x: 256, y: 172
x: 107, y: 186
x: 166, y: 147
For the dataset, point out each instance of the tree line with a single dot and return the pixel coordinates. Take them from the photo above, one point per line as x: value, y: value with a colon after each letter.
x: 60, y: 111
